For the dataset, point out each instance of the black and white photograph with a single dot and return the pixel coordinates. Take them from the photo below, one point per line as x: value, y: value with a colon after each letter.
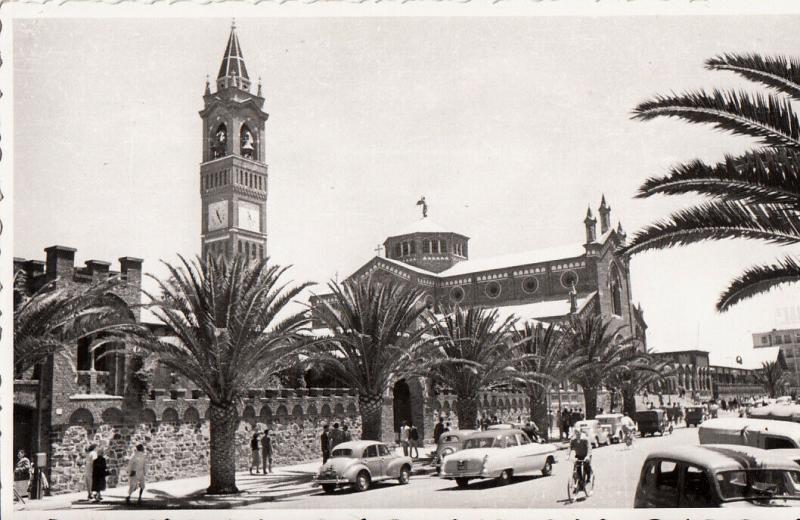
x: 273, y: 263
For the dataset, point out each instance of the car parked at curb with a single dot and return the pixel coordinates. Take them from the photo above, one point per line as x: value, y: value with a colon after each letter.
x: 359, y: 464
x: 498, y: 454
x: 597, y: 435
x: 449, y: 442
x: 611, y: 424
x: 717, y: 476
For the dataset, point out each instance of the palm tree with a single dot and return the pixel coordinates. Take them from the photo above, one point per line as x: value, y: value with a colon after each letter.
x: 639, y: 372
x: 224, y: 334
x: 772, y: 377
x: 374, y: 332
x: 604, y: 352
x: 55, y: 316
x: 755, y: 195
x: 475, y: 353
x: 544, y: 361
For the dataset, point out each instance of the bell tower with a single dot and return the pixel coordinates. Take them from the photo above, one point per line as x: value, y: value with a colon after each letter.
x: 233, y: 172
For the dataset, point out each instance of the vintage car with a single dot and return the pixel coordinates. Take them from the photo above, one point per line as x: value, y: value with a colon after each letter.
x: 759, y: 433
x: 694, y: 415
x: 449, y: 442
x: 779, y: 412
x: 717, y: 476
x: 611, y: 424
x: 652, y: 421
x: 596, y: 434
x: 359, y: 464
x: 499, y: 454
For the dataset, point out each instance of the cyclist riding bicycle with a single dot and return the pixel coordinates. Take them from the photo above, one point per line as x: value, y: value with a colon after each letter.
x: 582, y: 447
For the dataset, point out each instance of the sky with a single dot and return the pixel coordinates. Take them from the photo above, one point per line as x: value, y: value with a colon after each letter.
x: 510, y: 127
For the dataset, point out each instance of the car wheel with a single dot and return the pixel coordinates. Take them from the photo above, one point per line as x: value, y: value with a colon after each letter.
x: 547, y: 470
x: 362, y: 481
x: 329, y: 488
x: 405, y: 475
x: 505, y: 477
x: 462, y: 482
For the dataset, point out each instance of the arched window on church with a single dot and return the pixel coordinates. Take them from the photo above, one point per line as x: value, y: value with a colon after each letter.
x: 219, y: 141
x: 616, y: 291
x: 426, y: 246
x: 247, y: 143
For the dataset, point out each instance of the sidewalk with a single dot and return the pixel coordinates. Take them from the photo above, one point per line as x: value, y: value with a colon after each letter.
x: 189, y: 493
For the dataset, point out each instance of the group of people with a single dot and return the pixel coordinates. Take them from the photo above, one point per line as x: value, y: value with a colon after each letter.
x: 439, y: 429
x: 261, y: 452
x: 567, y: 418
x: 96, y: 471
x: 330, y: 438
x: 409, y: 439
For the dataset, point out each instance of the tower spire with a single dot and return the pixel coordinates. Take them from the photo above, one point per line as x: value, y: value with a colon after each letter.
x: 232, y: 70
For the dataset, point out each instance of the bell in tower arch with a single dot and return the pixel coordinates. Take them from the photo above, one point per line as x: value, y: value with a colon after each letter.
x: 247, y: 144
x: 219, y: 141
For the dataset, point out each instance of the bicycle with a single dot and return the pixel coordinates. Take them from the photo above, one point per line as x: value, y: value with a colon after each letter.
x: 578, y: 482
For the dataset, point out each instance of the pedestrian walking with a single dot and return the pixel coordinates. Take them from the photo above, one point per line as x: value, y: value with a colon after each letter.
x: 137, y: 467
x: 325, y: 443
x: 405, y: 436
x: 255, y: 455
x: 413, y: 439
x: 336, y: 436
x: 346, y: 433
x: 438, y: 430
x: 266, y: 452
x: 99, y: 474
x: 91, y: 454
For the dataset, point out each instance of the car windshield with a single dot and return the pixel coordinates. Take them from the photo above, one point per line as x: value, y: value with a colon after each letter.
x: 342, y: 452
x: 758, y: 484
x: 498, y: 441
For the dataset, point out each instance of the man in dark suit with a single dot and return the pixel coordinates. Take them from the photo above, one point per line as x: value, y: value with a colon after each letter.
x: 325, y: 443
x: 438, y: 430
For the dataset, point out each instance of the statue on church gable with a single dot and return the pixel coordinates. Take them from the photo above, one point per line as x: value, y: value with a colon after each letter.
x: 421, y: 202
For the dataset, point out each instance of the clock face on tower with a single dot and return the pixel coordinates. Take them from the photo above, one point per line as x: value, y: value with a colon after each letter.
x: 217, y: 215
x: 250, y: 216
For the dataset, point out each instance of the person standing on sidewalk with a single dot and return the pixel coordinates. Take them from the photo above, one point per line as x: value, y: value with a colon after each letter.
x: 413, y: 440
x: 255, y: 455
x: 99, y: 474
x: 325, y: 443
x: 346, y: 433
x: 91, y: 454
x: 405, y: 435
x: 336, y: 436
x: 438, y: 430
x: 136, y: 472
x: 266, y: 452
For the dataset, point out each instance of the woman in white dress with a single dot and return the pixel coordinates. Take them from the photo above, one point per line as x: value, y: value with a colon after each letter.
x: 91, y: 454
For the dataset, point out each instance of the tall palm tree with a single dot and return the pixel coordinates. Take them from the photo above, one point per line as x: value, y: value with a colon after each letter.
x: 475, y: 353
x: 772, y: 377
x: 374, y: 333
x: 638, y: 373
x: 544, y: 361
x: 224, y: 333
x: 55, y: 316
x: 755, y: 195
x: 604, y: 352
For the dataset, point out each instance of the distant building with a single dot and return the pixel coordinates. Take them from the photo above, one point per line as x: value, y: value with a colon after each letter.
x: 788, y: 340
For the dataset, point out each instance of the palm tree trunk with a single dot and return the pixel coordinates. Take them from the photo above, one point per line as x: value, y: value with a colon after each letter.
x: 223, y: 449
x: 590, y: 398
x: 629, y: 401
x: 467, y: 411
x: 538, y: 397
x: 371, y: 408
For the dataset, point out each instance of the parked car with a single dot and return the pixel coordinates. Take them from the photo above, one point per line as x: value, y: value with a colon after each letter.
x: 359, y: 464
x: 449, y: 442
x: 652, y: 421
x: 717, y: 476
x: 694, y: 415
x: 611, y: 423
x: 784, y: 399
x: 779, y: 412
x: 760, y: 433
x: 499, y: 454
x: 596, y: 434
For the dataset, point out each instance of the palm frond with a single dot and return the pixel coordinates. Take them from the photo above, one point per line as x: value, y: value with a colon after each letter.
x: 719, y: 220
x: 777, y: 72
x: 770, y: 176
x: 768, y: 118
x: 759, y: 279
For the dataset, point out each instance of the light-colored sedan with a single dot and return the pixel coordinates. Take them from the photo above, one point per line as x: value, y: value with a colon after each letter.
x: 359, y: 464
x: 499, y: 454
x: 597, y: 435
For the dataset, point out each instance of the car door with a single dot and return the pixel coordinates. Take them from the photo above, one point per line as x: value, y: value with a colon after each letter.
x: 386, y: 457
x: 696, y: 489
x: 528, y: 459
x: 658, y: 484
x: 373, y: 461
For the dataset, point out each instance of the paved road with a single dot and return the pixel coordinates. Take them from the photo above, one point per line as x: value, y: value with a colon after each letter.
x: 616, y: 467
